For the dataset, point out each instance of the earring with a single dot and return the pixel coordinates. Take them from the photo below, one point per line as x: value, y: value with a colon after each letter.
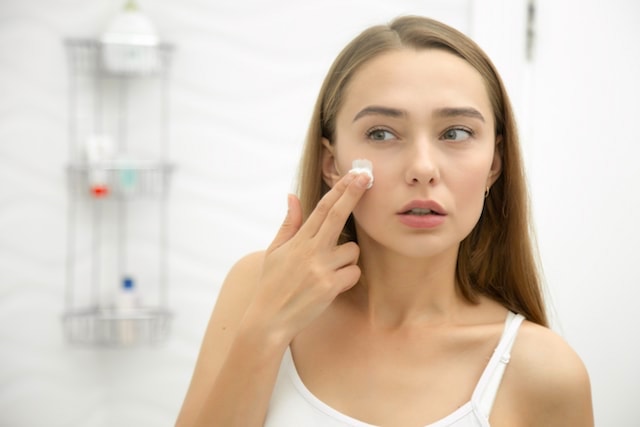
x: 486, y: 192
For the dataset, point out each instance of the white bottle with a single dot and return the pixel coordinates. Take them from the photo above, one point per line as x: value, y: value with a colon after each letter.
x: 128, y: 299
x: 99, y: 153
x: 126, y: 304
x: 130, y: 42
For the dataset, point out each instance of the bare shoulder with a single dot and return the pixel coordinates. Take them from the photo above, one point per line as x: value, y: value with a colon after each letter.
x: 551, y: 380
x: 243, y: 274
x: 236, y: 292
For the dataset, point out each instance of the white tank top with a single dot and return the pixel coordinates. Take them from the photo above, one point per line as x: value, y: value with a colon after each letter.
x: 293, y: 405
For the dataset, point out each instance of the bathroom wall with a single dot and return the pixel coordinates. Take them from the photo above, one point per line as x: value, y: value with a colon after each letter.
x: 582, y: 150
x: 243, y: 82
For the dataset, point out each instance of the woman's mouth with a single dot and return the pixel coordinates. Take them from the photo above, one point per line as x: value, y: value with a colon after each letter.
x: 420, y: 212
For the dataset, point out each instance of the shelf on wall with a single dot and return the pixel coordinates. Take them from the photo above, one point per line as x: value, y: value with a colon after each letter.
x: 122, y: 179
x: 117, y: 328
x: 118, y: 151
x: 118, y: 59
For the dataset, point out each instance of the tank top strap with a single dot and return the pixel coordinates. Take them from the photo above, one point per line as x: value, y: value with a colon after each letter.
x: 485, y: 393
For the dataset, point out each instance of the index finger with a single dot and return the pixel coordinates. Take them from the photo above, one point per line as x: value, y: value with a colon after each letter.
x: 330, y: 215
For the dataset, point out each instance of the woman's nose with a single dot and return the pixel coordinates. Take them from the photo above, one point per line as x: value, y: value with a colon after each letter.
x: 422, y: 163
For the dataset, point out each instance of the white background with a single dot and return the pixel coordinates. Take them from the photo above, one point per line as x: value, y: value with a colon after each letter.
x: 243, y: 82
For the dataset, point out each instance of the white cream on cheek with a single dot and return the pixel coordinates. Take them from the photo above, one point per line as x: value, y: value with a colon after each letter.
x: 363, y: 166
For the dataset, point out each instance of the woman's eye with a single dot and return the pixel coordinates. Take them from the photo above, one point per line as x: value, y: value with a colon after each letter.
x: 380, y: 135
x: 457, y: 134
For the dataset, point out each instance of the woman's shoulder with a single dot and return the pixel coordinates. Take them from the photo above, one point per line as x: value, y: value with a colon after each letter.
x: 550, y: 377
x: 234, y: 296
x: 248, y: 266
x: 252, y: 260
x: 241, y: 279
x: 545, y: 353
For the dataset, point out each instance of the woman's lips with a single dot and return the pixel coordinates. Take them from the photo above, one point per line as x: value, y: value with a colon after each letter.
x: 422, y: 214
x: 430, y: 220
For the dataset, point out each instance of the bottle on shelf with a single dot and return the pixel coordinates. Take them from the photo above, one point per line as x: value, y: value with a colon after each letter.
x: 127, y: 303
x: 130, y: 42
x: 128, y: 299
x: 99, y: 154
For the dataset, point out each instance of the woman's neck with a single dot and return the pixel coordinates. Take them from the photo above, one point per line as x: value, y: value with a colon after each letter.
x: 396, y: 291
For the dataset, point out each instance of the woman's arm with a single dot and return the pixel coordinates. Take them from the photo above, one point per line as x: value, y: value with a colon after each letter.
x: 230, y: 364
x: 266, y: 299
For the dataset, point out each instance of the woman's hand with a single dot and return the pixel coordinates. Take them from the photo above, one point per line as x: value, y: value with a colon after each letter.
x: 304, y: 269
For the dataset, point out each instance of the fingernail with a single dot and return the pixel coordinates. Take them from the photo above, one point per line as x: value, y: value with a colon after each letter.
x: 363, y: 180
x: 349, y: 177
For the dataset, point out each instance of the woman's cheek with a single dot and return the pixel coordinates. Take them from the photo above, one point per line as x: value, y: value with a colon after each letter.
x: 378, y: 195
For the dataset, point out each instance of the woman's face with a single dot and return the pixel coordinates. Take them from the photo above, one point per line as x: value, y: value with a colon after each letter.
x: 423, y: 118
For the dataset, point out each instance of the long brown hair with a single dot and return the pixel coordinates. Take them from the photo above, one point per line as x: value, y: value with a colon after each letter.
x: 497, y: 258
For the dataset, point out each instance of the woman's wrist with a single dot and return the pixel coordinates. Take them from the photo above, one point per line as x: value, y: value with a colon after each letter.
x: 258, y: 334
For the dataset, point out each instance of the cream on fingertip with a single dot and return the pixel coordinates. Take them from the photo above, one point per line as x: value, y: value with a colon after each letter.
x: 363, y: 166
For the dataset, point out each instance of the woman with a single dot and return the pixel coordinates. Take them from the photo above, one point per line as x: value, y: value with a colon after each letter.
x: 402, y: 304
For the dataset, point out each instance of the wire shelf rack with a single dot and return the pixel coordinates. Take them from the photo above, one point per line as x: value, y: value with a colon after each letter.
x: 111, y: 327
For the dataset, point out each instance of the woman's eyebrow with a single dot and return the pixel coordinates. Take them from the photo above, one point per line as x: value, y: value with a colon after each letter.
x: 459, y: 111
x: 441, y: 112
x: 378, y: 110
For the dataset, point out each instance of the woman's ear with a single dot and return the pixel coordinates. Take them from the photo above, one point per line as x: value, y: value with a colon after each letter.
x: 496, y: 164
x: 330, y: 173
